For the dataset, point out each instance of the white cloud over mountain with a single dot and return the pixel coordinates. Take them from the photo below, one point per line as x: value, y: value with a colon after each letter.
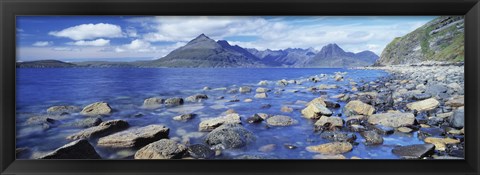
x: 90, y: 31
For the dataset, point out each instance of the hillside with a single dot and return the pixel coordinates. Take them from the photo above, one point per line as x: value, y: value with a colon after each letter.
x: 44, y: 64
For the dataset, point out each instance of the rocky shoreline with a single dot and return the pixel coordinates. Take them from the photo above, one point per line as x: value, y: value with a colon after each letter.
x: 424, y: 101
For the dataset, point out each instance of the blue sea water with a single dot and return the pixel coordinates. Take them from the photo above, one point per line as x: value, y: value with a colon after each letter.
x: 126, y: 88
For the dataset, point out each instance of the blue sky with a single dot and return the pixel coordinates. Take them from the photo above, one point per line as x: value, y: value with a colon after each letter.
x: 129, y: 38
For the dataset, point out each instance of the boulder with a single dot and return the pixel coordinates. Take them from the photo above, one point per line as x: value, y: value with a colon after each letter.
x: 200, y: 151
x: 337, y: 136
x: 323, y: 156
x: 372, y: 138
x: 245, y: 89
x: 261, y: 95
x: 405, y: 129
x: 281, y: 120
x: 153, y: 102
x: 424, y: 105
x: 286, y: 109
x: 456, y: 101
x: 212, y: 123
x: 98, y: 108
x: 255, y: 119
x: 261, y: 90
x: 457, y: 120
x: 62, y: 109
x: 440, y: 143
x: 315, y: 110
x: 103, y: 129
x: 421, y: 96
x: 282, y: 82
x: 414, y: 151
x: 383, y: 130
x: 329, y: 121
x: 263, y: 83
x: 184, y: 117
x: 230, y: 136
x: 136, y: 137
x: 325, y: 86
x: 331, y: 104
x: 86, y: 123
x: 196, y: 98
x: 392, y: 119
x: 356, y: 107
x: 162, y: 149
x: 436, y: 89
x: 80, y: 149
x: 331, y: 148
x: 175, y: 101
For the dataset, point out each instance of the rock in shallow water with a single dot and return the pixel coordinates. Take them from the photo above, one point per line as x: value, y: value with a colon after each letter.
x: 331, y: 148
x: 457, y: 120
x: 281, y: 120
x: 136, y: 137
x: 337, y: 136
x: 440, y: 143
x: 329, y: 122
x: 212, y: 123
x: 372, y: 138
x: 230, y: 136
x: 392, y: 119
x: 424, y: 105
x: 153, y: 102
x: 200, y: 151
x: 80, y: 149
x: 98, y: 108
x: 184, y: 117
x: 62, y: 109
x: 261, y: 95
x: 175, y: 101
x: 357, y: 107
x: 414, y: 151
x: 105, y: 128
x: 196, y: 98
x: 162, y: 149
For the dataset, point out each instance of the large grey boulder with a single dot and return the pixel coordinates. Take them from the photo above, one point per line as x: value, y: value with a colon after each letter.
x: 457, y: 120
x: 162, y: 149
x: 136, y: 137
x: 97, y: 108
x: 230, y: 136
x: 356, y: 107
x: 212, y: 123
x: 80, y: 149
x: 103, y: 129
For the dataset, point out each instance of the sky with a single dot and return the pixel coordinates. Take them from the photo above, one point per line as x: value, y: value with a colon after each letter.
x: 131, y: 38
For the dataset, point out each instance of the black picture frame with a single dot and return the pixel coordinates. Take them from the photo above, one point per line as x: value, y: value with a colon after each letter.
x: 11, y: 8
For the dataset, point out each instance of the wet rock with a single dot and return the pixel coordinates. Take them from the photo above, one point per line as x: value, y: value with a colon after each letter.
x: 405, y: 129
x: 421, y: 96
x: 383, y: 130
x: 98, y: 108
x: 62, y: 109
x: 255, y: 156
x: 424, y: 105
x: 136, y: 137
x: 255, y: 119
x: 162, y: 149
x: 337, y: 136
x: 234, y: 100
x: 436, y: 89
x: 457, y: 120
x: 281, y: 120
x: 318, y: 100
x: 356, y: 128
x: 355, y: 119
x: 326, y: 87
x: 329, y: 121
x: 331, y: 104
x: 282, y: 82
x: 331, y: 148
x: 372, y: 138
x: 248, y: 100
x: 290, y: 146
x: 206, y: 88
x: 267, y: 148
x: 440, y: 143
x: 196, y: 98
x: 80, y: 149
x: 338, y: 96
x: 229, y: 136
x: 445, y: 115
x: 456, y: 101
x: 261, y: 90
x: 229, y: 111
x: 338, y: 77
x: 86, y: 123
x: 414, y: 151
x: 392, y: 119
x: 315, y: 111
x: 357, y: 107
x: 261, y: 95
x: 42, y: 119
x: 103, y: 129
x: 212, y: 123
x: 263, y: 83
x: 200, y: 151
x: 323, y: 156
x: 425, y: 132
x: 266, y: 106
x: 286, y: 109
x: 233, y: 91
x: 175, y: 101
x: 245, y: 89
x: 184, y: 117
x: 153, y: 102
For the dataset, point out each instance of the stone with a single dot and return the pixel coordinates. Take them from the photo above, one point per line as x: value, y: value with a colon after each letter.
x: 331, y: 148
x: 457, y: 120
x: 184, y: 117
x: 315, y: 111
x: 331, y: 104
x: 162, y: 149
x: 85, y: 123
x: 281, y: 120
x: 372, y: 138
x: 261, y: 90
x: 80, y: 149
x: 456, y: 101
x: 261, y: 95
x: 98, y: 108
x: 338, y: 96
x: 245, y: 89
x: 436, y: 89
x: 136, y: 137
x: 323, y: 156
x: 445, y: 115
x: 356, y: 128
x: 286, y: 109
x: 338, y: 136
x: 417, y: 151
x: 103, y: 129
x: 212, y: 123
x: 196, y: 98
x: 255, y: 119
x: 206, y: 88
x: 153, y: 102
x: 318, y: 100
x: 267, y: 148
x: 248, y: 100
x: 338, y: 77
x: 262, y: 115
x: 383, y: 130
x: 175, y: 101
x: 424, y: 105
x: 326, y: 87
x: 356, y: 107
x: 329, y: 121
x: 440, y: 143
x: 263, y: 83
x: 421, y: 96
x: 200, y: 151
x: 62, y: 109
x: 230, y: 136
x: 405, y: 129
x: 282, y: 82
x: 392, y: 119
x: 229, y: 111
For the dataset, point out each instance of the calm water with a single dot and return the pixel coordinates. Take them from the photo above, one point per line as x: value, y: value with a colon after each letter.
x: 126, y: 88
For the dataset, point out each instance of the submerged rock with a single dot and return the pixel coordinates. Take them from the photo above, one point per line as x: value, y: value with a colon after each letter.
x: 392, y: 119
x: 261, y: 95
x: 261, y: 90
x: 98, y: 108
x: 80, y: 149
x: 136, y: 137
x: 212, y: 123
x: 200, y: 151
x: 331, y: 148
x: 414, y: 151
x: 162, y: 149
x: 196, y: 98
x: 175, y: 101
x: 325, y: 121
x: 263, y: 83
x: 153, y: 102
x: 424, y: 105
x: 281, y: 120
x: 286, y: 109
x: 184, y: 117
x: 337, y: 136
x: 357, y: 107
x: 245, y: 89
x: 62, y: 109
x: 372, y: 138
x: 230, y: 136
x: 105, y: 128
x: 255, y: 119
x: 440, y: 143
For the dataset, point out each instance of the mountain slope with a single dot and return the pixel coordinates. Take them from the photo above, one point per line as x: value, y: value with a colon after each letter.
x: 283, y: 58
x: 332, y: 55
x: 44, y: 64
x: 441, y: 39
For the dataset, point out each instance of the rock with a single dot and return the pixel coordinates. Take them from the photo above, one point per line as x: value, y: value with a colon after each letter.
x: 136, y: 137
x: 245, y: 89
x: 357, y: 107
x: 261, y: 90
x: 267, y: 148
x: 315, y: 111
x: 384, y: 130
x: 331, y: 104
x: 162, y: 149
x: 261, y: 95
x: 429, y: 132
x: 338, y: 77
x: 212, y: 123
x: 88, y: 122
x: 456, y: 101
x: 153, y: 102
x: 445, y: 115
x: 454, y: 131
x: 42, y: 119
x: 318, y: 100
x: 175, y: 101
x: 405, y: 129
x: 414, y: 151
x: 255, y: 119
x: 206, y: 88
x: 372, y: 138
x: 331, y: 148
x: 234, y: 100
x: 230, y: 136
x: 455, y: 87
x: 392, y: 119
x: 338, y: 96
x: 229, y: 111
x: 248, y: 100
x: 184, y: 117
x: 337, y: 136
x: 62, y: 109
x: 323, y: 156
x: 421, y: 96
x: 266, y: 106
x: 326, y: 87
x: 254, y: 157
x: 262, y: 115
x: 440, y: 143
x: 281, y: 120
x: 436, y: 89
x: 263, y: 83
x: 424, y: 105
x: 103, y: 129
x: 196, y: 98
x: 457, y: 120
x: 200, y: 151
x: 282, y: 82
x: 98, y: 108
x: 356, y: 128
x: 286, y: 109
x: 233, y: 91
x: 329, y: 122
x: 80, y: 149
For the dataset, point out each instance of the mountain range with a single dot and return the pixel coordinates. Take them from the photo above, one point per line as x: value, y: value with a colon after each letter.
x: 204, y: 52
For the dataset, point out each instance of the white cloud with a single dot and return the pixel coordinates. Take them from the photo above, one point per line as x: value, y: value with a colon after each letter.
x: 97, y: 42
x: 89, y: 31
x: 42, y: 43
x: 64, y: 49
